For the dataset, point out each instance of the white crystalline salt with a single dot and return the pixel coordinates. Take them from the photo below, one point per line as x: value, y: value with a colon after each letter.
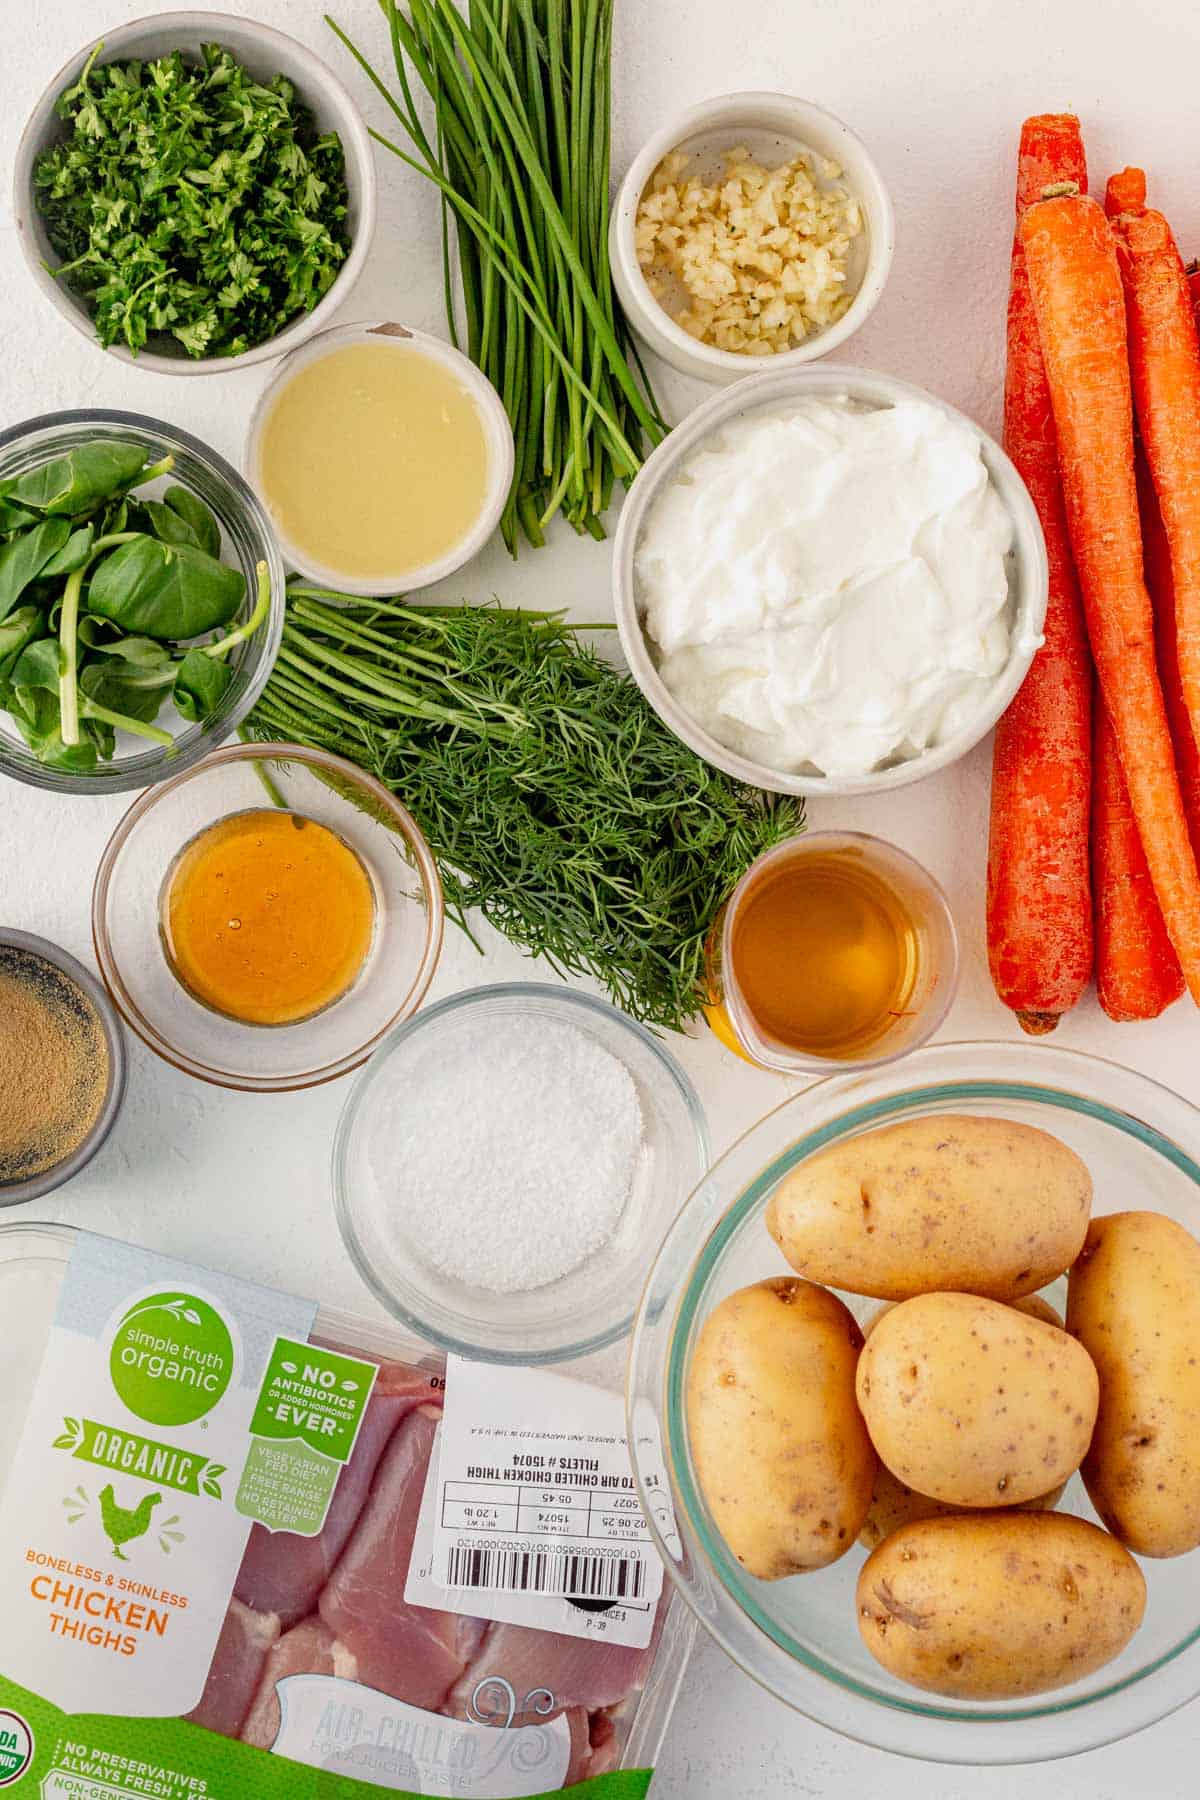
x: 510, y: 1151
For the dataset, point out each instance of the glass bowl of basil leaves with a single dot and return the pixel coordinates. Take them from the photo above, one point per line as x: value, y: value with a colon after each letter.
x: 141, y: 601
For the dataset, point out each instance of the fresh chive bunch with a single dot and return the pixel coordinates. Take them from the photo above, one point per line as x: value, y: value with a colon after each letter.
x: 555, y: 800
x: 520, y: 151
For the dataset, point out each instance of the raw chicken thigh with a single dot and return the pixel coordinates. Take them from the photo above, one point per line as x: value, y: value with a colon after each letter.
x: 283, y: 1573
x: 410, y: 1652
x: 334, y: 1605
x: 246, y: 1637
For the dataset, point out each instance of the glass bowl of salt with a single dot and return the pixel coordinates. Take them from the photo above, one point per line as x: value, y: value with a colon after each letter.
x: 507, y: 1164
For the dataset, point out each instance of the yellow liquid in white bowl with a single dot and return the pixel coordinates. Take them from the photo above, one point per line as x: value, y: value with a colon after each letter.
x: 373, y: 461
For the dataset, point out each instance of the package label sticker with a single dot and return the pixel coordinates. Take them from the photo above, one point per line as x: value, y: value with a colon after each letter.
x: 303, y: 1429
x: 531, y: 1513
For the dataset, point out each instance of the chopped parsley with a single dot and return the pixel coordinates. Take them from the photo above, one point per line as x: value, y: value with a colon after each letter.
x: 191, y: 199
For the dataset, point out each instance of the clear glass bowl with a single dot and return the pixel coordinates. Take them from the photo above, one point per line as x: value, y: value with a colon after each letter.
x: 592, y: 1305
x: 799, y: 1637
x: 933, y: 933
x: 247, y: 540
x: 267, y: 1058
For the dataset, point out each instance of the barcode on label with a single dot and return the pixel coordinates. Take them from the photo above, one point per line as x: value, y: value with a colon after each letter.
x: 547, y: 1572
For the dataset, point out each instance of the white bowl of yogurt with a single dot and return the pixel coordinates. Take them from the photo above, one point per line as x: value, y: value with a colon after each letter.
x: 827, y: 581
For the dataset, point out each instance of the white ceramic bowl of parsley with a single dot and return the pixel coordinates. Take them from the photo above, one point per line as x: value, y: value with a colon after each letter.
x: 264, y: 53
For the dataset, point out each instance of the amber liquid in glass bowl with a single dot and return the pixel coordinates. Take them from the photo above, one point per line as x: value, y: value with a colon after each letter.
x: 267, y: 917
x: 825, y: 954
x: 833, y: 949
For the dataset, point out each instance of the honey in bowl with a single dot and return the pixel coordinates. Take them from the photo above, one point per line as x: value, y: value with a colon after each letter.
x: 824, y: 954
x: 267, y: 917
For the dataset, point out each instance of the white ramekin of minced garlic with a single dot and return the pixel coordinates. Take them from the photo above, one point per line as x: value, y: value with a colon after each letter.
x: 752, y: 230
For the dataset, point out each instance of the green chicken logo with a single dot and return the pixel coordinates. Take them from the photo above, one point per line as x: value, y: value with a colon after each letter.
x: 172, y: 1358
x: 122, y: 1524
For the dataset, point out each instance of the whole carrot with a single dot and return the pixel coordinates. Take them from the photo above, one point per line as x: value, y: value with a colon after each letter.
x: 1137, y: 972
x: 1039, y: 905
x: 1080, y: 306
x: 1137, y: 982
x: 1156, y: 558
x: 1126, y: 193
x: 1164, y: 359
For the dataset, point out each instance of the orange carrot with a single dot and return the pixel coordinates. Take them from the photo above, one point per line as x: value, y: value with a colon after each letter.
x: 1039, y: 904
x: 1156, y: 556
x: 1125, y: 192
x: 1137, y: 972
x: 1079, y: 301
x: 1164, y: 356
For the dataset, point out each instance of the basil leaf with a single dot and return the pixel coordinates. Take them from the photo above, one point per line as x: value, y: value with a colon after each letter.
x: 15, y: 518
x: 167, y: 525
x: 39, y: 666
x: 24, y: 557
x: 35, y: 715
x: 97, y: 634
x: 112, y: 685
x: 199, y: 686
x: 165, y: 590
x: 143, y: 653
x: 19, y: 629
x: 195, y: 513
x: 115, y: 516
x: 78, y: 479
x: 32, y: 700
x: 73, y: 554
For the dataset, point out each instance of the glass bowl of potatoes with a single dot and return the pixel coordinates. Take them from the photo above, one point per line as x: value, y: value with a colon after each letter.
x: 920, y: 1354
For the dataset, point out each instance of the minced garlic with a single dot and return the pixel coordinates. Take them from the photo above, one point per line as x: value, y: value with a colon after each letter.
x: 756, y: 261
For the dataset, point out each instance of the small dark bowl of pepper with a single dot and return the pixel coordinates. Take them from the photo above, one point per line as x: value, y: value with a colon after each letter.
x: 62, y: 1066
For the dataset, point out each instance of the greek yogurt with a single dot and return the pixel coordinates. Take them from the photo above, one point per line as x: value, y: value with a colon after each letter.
x: 825, y: 587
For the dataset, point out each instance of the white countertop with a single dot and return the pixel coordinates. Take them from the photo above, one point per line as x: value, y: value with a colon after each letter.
x: 938, y: 92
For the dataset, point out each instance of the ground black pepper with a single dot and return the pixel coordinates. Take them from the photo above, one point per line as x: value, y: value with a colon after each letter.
x: 54, y: 1064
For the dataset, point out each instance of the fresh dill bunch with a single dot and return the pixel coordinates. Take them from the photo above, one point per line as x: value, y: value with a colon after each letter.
x: 557, y: 803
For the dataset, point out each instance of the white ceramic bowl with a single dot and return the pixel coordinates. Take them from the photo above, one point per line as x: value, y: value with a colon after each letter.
x: 774, y: 127
x: 265, y: 53
x: 1028, y: 575
x: 498, y: 430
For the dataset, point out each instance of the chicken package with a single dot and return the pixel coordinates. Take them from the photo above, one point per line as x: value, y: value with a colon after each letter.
x: 248, y: 1546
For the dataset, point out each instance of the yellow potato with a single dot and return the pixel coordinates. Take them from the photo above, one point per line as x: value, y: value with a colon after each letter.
x: 1133, y: 1301
x: 973, y: 1403
x: 994, y: 1605
x: 781, y: 1452
x: 893, y: 1505
x: 946, y: 1202
x: 1033, y: 1305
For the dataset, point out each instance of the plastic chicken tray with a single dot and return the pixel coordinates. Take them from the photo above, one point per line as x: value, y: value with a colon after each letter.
x: 324, y: 1679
